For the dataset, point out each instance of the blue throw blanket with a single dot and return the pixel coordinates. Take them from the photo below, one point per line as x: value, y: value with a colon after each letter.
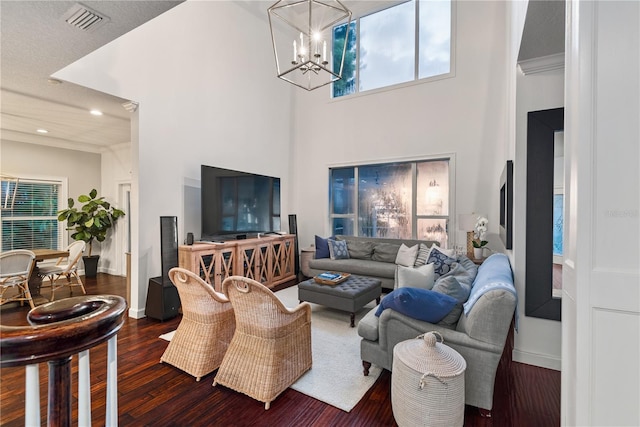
x: 494, y: 273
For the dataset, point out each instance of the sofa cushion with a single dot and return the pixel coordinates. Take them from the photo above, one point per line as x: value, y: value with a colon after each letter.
x: 360, y: 249
x: 441, y: 261
x: 407, y: 255
x: 338, y: 249
x: 362, y: 267
x: 418, y: 277
x: 322, y: 247
x: 385, y: 252
x: 452, y: 318
x: 454, y: 284
x: 421, y: 304
x: 368, y: 326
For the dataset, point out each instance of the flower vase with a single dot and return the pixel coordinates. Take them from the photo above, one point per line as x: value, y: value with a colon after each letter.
x: 477, y: 253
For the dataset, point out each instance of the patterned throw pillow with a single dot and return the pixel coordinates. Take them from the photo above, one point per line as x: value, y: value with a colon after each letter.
x: 423, y: 255
x: 338, y: 249
x: 441, y: 261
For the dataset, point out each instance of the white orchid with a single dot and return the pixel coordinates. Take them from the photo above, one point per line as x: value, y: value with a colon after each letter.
x: 480, y: 232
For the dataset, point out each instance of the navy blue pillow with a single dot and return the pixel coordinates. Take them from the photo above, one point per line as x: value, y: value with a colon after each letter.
x: 322, y: 247
x: 421, y: 304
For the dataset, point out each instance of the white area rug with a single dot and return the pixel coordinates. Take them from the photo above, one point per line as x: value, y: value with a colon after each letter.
x: 336, y: 375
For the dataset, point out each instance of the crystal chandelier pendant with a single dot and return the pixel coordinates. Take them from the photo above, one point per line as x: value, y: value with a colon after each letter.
x: 302, y: 37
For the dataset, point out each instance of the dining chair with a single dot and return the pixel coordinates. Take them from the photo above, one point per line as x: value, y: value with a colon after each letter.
x: 65, y: 267
x: 15, y: 269
x: 271, y: 347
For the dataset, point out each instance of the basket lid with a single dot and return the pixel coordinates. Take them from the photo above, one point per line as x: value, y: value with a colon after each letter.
x: 430, y: 357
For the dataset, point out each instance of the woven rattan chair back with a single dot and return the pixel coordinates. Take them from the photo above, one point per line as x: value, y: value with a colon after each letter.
x: 67, y: 268
x: 206, y: 328
x: 15, y: 270
x: 271, y: 347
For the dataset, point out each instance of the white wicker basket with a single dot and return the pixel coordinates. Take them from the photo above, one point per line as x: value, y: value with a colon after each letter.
x: 427, y: 383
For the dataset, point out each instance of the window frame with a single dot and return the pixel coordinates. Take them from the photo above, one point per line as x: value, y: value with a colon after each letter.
x: 451, y: 217
x: 62, y: 239
x: 416, y: 80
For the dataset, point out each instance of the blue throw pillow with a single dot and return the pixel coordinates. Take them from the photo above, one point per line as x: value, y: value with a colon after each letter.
x: 441, y: 262
x: 338, y: 249
x: 322, y: 247
x: 421, y: 304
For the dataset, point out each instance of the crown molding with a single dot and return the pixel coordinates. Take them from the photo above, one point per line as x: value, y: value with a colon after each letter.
x: 542, y: 64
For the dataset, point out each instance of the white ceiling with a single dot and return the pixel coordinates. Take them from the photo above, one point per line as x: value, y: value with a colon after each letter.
x: 36, y: 42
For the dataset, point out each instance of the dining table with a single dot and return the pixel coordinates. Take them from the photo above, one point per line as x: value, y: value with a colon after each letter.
x: 35, y: 281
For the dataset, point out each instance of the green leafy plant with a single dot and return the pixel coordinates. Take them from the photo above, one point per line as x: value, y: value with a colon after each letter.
x: 92, y: 221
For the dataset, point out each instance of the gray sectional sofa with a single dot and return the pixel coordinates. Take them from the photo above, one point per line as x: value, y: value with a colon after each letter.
x: 479, y: 334
x: 370, y: 257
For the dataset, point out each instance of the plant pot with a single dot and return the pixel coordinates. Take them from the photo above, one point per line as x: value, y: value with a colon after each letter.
x: 477, y: 253
x: 90, y: 265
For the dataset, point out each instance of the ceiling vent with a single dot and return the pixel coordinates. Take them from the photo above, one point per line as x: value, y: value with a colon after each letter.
x: 84, y: 18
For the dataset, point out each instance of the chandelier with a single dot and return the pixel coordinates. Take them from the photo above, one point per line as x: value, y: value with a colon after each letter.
x: 302, y: 36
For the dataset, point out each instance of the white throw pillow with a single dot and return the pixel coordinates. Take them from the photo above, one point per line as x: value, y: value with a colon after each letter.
x: 419, y: 277
x: 407, y: 255
x: 448, y: 252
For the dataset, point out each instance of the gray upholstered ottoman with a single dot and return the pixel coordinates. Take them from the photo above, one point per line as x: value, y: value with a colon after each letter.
x: 350, y: 295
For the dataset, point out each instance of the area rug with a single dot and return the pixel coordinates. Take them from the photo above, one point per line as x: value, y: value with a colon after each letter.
x: 336, y: 376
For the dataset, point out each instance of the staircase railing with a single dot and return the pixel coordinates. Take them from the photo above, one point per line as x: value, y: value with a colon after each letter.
x: 57, y: 331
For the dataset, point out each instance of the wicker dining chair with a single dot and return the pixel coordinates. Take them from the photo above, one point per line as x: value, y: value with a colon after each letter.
x: 271, y: 347
x: 15, y: 269
x: 206, y: 328
x: 66, y: 267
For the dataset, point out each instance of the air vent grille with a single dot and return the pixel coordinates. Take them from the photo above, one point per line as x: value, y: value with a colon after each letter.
x: 84, y: 18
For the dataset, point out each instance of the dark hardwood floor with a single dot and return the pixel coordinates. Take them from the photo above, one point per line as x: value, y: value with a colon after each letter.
x: 154, y: 394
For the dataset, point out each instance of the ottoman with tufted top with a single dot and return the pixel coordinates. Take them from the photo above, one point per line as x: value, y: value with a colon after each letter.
x: 350, y: 295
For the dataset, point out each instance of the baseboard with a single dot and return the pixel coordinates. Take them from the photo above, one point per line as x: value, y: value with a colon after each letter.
x: 535, y: 359
x: 136, y: 313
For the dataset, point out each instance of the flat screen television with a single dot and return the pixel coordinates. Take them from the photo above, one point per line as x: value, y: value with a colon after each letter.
x: 238, y: 204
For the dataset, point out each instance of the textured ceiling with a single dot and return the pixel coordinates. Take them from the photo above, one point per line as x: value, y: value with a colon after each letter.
x: 543, y: 33
x: 35, y: 43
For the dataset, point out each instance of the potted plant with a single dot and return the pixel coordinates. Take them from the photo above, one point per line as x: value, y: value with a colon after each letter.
x: 479, y: 232
x: 91, y: 222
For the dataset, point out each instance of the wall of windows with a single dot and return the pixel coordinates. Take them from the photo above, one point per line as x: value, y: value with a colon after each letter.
x: 33, y: 222
x: 392, y: 200
x: 406, y: 42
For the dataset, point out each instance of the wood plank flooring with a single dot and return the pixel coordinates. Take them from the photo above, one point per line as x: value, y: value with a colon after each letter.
x: 155, y: 394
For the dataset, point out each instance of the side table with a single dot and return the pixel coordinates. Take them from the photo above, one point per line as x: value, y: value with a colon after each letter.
x: 306, y: 254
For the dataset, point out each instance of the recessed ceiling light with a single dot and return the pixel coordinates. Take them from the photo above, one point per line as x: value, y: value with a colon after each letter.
x: 42, y: 131
x: 96, y: 112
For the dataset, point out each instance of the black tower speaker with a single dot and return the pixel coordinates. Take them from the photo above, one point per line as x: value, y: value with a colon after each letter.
x: 163, y: 301
x: 168, y: 244
x: 293, y: 229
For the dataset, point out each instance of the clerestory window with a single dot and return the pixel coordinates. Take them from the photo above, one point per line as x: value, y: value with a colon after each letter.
x: 407, y: 42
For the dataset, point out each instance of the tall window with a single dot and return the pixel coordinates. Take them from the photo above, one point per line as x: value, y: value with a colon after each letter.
x: 392, y: 46
x: 394, y: 200
x: 33, y: 222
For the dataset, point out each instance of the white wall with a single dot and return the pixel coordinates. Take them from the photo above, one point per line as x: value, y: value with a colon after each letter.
x: 204, y: 76
x: 465, y: 116
x: 539, y: 340
x: 116, y: 171
x: 82, y: 170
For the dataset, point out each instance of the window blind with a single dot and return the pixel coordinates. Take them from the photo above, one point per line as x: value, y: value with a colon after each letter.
x: 32, y: 223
